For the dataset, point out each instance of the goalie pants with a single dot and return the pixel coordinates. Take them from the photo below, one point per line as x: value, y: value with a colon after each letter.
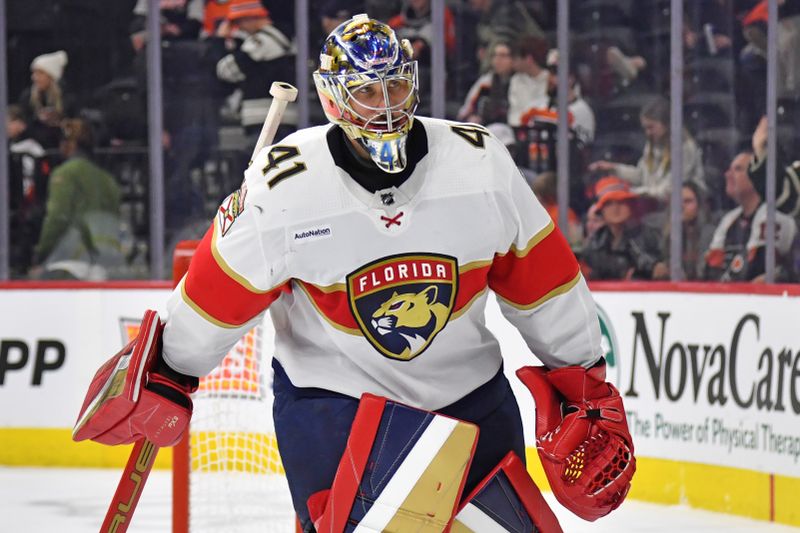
x: 312, y: 426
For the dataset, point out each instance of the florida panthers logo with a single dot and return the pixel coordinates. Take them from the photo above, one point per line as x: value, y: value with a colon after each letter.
x: 402, y: 302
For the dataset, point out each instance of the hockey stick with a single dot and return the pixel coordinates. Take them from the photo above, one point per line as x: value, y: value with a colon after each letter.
x: 143, y: 454
x: 282, y: 93
x: 120, y: 512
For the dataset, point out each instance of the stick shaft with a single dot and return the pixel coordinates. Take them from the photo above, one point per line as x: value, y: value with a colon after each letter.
x: 282, y: 93
x: 129, y: 489
x: 271, y: 124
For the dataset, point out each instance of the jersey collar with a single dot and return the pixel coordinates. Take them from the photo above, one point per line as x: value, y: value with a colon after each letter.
x: 375, y: 188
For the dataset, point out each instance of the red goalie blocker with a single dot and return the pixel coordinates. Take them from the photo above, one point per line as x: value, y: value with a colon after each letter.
x: 129, y: 400
x: 582, y: 437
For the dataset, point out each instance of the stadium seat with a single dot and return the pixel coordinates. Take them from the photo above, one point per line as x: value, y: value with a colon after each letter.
x: 623, y: 148
x: 620, y: 36
x: 709, y: 74
x: 621, y: 115
x: 789, y: 111
x: 651, y: 14
x: 709, y: 110
x: 613, y: 118
x: 595, y: 14
x: 719, y: 145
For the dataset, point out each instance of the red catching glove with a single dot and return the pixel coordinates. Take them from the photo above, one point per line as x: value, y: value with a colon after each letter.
x: 135, y: 395
x: 582, y: 437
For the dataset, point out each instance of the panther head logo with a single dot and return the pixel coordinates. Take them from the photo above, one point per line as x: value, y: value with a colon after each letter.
x: 413, y: 316
x: 402, y: 302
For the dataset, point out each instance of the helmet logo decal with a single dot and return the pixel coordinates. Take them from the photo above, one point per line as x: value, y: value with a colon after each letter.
x: 402, y: 302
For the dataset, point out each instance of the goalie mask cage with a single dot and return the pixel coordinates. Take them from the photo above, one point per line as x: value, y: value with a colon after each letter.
x: 227, y: 473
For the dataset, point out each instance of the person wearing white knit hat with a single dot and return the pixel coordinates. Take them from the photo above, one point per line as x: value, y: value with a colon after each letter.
x: 51, y: 64
x: 43, y: 101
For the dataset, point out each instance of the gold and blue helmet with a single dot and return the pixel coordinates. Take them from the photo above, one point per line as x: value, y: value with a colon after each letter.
x: 367, y: 84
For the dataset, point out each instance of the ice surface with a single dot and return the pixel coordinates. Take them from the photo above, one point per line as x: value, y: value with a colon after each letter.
x: 34, y: 500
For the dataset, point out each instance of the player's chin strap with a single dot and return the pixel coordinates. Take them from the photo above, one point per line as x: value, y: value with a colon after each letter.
x: 404, y: 469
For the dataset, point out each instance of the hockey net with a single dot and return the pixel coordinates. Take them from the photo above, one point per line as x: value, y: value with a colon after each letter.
x: 227, y: 474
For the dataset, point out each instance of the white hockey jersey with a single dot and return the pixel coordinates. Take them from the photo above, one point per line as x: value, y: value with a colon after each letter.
x: 384, y: 292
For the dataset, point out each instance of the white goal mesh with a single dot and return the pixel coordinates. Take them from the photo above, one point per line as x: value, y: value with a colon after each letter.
x: 236, y: 481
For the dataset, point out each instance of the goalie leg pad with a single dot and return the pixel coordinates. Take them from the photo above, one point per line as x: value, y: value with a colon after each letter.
x: 507, y: 501
x: 403, y: 469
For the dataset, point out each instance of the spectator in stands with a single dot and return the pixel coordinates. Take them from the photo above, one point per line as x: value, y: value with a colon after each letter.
x: 652, y: 176
x: 414, y: 23
x: 179, y: 20
x: 45, y: 101
x: 627, y: 67
x: 787, y: 190
x: 528, y: 85
x: 545, y: 186
x: 751, y: 80
x: 266, y: 55
x: 487, y: 99
x: 500, y: 20
x: 754, y: 25
x: 582, y: 117
x: 334, y: 12
x: 80, y: 235
x: 593, y: 221
x: 27, y: 154
x: 738, y: 247
x: 623, y: 248
x: 697, y: 231
x: 27, y: 174
x: 707, y: 28
x: 214, y: 14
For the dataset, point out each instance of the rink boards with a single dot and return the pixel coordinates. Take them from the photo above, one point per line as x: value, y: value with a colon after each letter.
x: 710, y: 377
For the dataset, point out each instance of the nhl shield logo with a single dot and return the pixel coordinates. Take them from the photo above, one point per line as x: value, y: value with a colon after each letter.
x: 402, y: 302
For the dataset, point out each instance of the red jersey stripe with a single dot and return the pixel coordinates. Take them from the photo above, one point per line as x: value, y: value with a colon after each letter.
x: 472, y: 281
x: 331, y: 302
x: 544, y: 269
x: 223, y: 297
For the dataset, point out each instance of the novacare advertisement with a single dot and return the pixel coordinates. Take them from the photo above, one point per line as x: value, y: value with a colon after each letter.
x: 708, y: 378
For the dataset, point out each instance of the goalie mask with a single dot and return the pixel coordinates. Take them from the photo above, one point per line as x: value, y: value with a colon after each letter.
x: 367, y: 84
